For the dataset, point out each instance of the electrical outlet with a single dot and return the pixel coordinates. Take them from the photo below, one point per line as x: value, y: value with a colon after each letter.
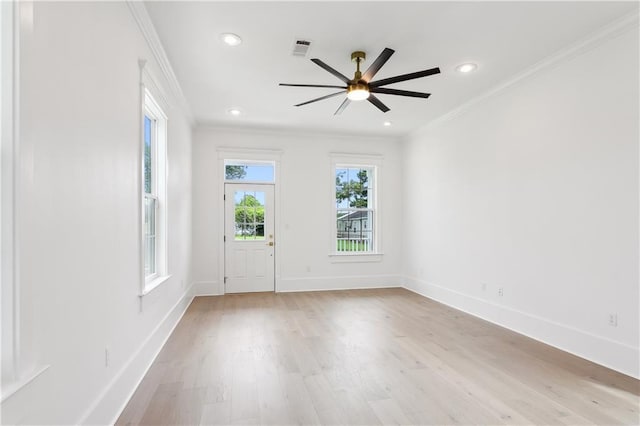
x: 613, y: 320
x: 483, y: 286
x: 308, y: 268
x: 500, y: 291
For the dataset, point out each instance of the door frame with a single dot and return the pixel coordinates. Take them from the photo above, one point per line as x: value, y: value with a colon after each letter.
x: 248, y: 154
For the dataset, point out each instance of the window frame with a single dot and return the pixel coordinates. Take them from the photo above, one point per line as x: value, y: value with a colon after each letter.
x: 153, y: 110
x: 359, y: 161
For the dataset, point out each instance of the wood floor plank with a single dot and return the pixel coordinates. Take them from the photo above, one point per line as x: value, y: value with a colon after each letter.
x: 389, y: 413
x: 366, y: 357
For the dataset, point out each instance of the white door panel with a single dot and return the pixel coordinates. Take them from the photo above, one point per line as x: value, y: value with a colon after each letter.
x: 249, y: 238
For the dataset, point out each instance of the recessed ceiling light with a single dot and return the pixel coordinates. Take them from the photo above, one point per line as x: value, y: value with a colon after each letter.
x: 466, y: 68
x: 234, y: 111
x: 231, y: 39
x: 386, y: 124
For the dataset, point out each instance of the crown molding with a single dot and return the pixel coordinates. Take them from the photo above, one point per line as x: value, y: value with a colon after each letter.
x: 142, y: 18
x: 614, y: 29
x: 293, y: 131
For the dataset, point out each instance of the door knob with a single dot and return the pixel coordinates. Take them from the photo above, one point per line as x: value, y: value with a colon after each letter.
x: 270, y: 243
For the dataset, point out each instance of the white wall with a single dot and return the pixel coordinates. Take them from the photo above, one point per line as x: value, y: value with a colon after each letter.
x: 535, y: 190
x: 303, y: 239
x: 79, y: 214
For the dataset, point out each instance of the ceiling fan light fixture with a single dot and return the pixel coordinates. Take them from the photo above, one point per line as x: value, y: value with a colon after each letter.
x: 362, y: 86
x: 231, y: 39
x: 467, y: 67
x: 358, y: 92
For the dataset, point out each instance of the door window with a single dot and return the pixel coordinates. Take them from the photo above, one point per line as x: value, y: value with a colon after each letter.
x: 249, y: 215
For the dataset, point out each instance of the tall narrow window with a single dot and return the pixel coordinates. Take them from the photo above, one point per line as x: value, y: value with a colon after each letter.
x: 154, y: 190
x: 355, y: 209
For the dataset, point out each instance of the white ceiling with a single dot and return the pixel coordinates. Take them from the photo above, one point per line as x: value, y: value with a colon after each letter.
x: 503, y: 38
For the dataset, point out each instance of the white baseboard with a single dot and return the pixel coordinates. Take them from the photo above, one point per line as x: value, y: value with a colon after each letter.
x: 601, y: 350
x: 206, y: 288
x: 292, y: 284
x: 109, y: 405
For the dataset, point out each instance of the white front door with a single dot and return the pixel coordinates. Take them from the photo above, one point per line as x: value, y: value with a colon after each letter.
x: 249, y: 262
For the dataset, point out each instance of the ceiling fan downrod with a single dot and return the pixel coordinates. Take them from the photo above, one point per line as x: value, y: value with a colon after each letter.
x: 358, y: 89
x: 357, y: 57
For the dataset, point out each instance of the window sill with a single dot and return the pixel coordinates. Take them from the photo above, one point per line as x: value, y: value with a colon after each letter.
x: 355, y: 258
x: 152, y: 285
x: 11, y: 388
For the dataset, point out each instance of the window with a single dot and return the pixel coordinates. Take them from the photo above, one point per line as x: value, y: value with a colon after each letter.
x: 249, y: 215
x: 249, y: 171
x: 355, y: 209
x: 154, y: 192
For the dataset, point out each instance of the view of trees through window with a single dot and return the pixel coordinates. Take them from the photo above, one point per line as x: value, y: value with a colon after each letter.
x: 353, y: 192
x: 354, y: 210
x: 249, y: 172
x: 235, y: 172
x: 249, y: 215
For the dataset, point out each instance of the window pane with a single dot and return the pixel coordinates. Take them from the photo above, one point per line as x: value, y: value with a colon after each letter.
x: 249, y: 215
x: 352, y: 187
x: 149, y: 236
x: 354, y: 230
x: 148, y: 154
x: 249, y: 172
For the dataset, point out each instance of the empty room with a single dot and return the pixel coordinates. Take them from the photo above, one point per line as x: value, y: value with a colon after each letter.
x: 320, y: 212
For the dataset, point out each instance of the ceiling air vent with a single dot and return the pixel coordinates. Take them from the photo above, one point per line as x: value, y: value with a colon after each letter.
x: 301, y: 47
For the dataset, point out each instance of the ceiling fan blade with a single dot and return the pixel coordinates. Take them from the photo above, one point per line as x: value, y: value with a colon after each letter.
x: 404, y: 77
x: 331, y: 70
x: 377, y: 64
x: 342, y: 106
x: 321, y: 98
x: 386, y: 91
x: 313, y: 85
x: 382, y: 107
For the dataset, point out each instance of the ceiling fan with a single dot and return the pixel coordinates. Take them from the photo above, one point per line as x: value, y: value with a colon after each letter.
x: 361, y: 87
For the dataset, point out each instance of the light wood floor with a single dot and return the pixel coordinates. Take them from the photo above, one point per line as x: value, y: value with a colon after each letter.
x: 366, y: 357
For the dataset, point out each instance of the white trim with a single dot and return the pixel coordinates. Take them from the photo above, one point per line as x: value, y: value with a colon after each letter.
x: 249, y: 154
x: 294, y: 131
x: 154, y: 283
x: 591, y: 41
x: 150, y: 82
x: 142, y: 18
x: 24, y: 380
x: 9, y: 182
x: 207, y: 288
x: 356, y: 159
x: 601, y: 350
x: 364, y: 257
x: 348, y: 282
x: 110, y: 403
x: 270, y: 155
